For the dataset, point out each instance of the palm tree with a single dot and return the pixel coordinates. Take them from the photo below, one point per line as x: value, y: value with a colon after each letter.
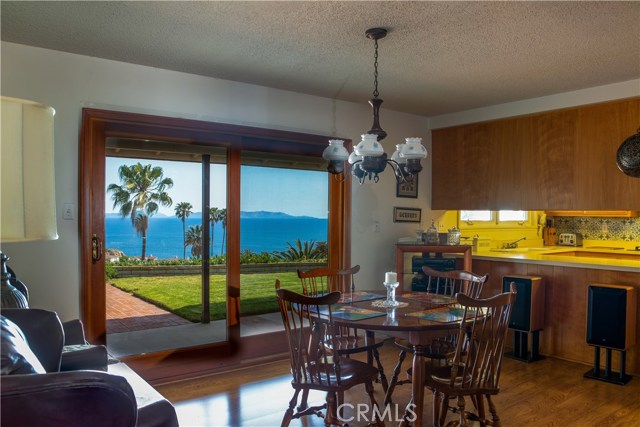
x: 194, y: 239
x: 214, y: 214
x: 141, y: 188
x: 183, y: 210
x: 141, y: 224
x: 223, y: 219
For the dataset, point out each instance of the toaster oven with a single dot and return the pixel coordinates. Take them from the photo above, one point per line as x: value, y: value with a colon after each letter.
x: 570, y: 239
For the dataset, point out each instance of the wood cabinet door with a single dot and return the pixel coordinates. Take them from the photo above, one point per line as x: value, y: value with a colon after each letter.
x: 600, y: 185
x: 564, y: 159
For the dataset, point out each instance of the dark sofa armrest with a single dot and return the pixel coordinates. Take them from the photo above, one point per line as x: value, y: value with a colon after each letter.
x: 73, y: 332
x: 84, y: 356
x: 43, y: 332
x: 67, y: 399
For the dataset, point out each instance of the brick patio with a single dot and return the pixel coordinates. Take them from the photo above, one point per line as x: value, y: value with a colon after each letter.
x: 126, y: 313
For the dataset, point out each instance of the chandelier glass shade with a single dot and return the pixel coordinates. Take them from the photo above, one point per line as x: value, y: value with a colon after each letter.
x: 368, y: 158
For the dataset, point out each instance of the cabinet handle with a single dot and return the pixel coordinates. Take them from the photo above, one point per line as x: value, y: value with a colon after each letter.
x: 96, y: 249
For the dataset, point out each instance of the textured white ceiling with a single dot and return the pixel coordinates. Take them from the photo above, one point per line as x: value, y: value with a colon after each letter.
x: 439, y: 57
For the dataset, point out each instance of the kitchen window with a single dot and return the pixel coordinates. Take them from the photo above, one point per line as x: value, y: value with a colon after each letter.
x: 495, y: 218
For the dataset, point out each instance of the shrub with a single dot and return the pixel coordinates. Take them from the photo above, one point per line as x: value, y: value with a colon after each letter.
x: 249, y: 257
x: 303, y: 251
x: 109, y: 271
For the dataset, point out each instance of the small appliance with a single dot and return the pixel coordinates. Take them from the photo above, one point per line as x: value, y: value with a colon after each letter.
x: 570, y: 239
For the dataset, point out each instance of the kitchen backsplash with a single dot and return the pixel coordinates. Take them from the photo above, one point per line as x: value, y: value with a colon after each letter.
x: 593, y: 228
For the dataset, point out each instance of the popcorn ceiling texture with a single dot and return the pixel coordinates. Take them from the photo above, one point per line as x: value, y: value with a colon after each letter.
x: 593, y: 228
x: 440, y: 57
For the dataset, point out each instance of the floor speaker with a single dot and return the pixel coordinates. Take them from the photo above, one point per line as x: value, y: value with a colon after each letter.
x: 611, y: 323
x: 611, y: 316
x: 528, y: 310
x: 527, y: 316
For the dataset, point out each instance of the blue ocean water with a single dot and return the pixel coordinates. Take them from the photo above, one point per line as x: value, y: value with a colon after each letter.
x: 164, y: 236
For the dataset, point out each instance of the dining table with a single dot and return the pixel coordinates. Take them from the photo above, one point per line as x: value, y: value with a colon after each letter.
x: 419, y: 318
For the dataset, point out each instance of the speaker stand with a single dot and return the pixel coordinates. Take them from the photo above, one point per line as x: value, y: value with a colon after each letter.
x: 521, y: 344
x: 620, y: 378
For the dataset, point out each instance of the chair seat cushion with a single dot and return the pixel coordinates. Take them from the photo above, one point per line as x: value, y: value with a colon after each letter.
x: 17, y: 357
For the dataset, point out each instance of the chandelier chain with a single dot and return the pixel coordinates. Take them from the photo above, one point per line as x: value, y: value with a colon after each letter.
x: 375, y: 70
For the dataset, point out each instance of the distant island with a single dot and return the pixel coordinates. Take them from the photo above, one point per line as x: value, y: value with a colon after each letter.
x: 243, y: 214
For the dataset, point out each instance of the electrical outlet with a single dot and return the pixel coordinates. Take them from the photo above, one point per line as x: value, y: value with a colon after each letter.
x: 376, y: 226
x: 67, y: 211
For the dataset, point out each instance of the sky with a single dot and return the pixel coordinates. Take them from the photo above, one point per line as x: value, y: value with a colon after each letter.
x: 295, y: 192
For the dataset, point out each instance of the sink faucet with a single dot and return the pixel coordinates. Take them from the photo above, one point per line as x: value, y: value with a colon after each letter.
x: 513, y: 244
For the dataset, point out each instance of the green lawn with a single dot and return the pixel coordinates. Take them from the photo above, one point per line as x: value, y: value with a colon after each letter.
x: 182, y: 294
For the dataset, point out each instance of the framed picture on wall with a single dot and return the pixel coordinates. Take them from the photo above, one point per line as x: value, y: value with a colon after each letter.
x: 409, y: 188
x: 407, y: 214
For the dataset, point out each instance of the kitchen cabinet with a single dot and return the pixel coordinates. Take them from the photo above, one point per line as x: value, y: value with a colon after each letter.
x: 608, y: 214
x: 560, y: 160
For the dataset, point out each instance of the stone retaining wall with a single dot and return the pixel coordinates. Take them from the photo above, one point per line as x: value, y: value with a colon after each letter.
x: 183, y: 270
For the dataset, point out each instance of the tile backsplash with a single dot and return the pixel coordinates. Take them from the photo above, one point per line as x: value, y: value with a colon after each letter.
x: 595, y: 228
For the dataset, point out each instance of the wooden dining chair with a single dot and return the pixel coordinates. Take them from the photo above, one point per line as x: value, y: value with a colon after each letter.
x: 319, y: 281
x: 441, y: 349
x: 308, y: 324
x: 477, y: 362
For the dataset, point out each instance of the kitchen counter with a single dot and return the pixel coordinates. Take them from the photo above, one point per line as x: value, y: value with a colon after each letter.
x: 596, y: 257
x: 618, y: 257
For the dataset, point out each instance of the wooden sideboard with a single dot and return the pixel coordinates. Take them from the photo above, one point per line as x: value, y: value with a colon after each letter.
x: 402, y: 249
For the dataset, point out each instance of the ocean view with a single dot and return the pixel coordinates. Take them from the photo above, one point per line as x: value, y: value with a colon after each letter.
x: 264, y: 232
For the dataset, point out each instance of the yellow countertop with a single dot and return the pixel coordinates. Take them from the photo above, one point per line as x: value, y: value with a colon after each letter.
x: 597, y: 257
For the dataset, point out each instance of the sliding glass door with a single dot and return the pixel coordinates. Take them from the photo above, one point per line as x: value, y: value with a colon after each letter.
x: 283, y: 227
x: 203, y: 268
x: 165, y: 288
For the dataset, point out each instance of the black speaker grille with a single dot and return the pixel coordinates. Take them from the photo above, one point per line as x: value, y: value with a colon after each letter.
x: 521, y: 314
x: 606, y: 317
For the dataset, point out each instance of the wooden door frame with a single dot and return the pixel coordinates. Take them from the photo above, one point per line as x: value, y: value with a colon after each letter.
x: 98, y: 125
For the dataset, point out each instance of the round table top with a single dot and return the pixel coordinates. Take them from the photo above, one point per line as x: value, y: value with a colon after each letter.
x: 421, y: 313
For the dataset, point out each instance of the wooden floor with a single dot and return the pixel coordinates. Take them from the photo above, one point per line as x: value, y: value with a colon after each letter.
x: 547, y: 393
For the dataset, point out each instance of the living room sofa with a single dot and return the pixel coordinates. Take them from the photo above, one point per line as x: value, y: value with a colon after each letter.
x: 50, y: 376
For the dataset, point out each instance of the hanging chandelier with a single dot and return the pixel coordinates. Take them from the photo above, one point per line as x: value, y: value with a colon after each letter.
x: 368, y: 158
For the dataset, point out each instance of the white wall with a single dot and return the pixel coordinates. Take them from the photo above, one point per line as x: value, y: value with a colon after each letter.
x: 69, y: 82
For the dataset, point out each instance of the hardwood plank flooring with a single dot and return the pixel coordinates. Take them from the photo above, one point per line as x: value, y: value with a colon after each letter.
x: 547, y: 393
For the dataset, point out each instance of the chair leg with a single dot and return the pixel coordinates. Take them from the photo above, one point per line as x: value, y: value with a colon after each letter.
x: 383, y: 377
x: 340, y: 401
x: 480, y: 415
x: 440, y: 406
x: 303, y: 402
x: 288, y: 415
x: 374, y: 404
x: 394, y: 377
x: 331, y: 416
x: 463, y: 417
x: 494, y: 414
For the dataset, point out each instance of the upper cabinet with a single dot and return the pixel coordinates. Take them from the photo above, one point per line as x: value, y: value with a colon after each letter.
x: 556, y: 160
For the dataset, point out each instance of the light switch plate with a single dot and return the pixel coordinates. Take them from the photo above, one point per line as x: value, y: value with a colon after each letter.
x: 67, y: 211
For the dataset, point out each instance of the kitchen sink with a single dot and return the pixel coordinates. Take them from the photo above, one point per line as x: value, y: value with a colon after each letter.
x: 519, y: 250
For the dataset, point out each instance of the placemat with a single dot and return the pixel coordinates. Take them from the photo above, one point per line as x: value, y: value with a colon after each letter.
x: 356, y: 296
x: 427, y: 297
x: 350, y: 312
